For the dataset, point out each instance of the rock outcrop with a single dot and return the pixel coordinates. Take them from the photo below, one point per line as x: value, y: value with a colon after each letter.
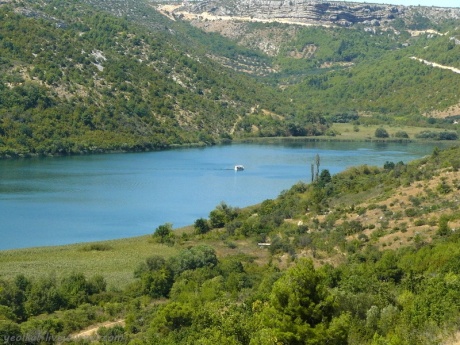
x: 313, y: 11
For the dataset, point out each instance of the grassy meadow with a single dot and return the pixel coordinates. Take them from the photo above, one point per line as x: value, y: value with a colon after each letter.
x: 348, y: 131
x: 114, y: 259
x: 117, y: 259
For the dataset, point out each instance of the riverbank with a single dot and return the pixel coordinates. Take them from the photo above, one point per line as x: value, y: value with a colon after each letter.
x: 339, y: 132
x: 347, y: 132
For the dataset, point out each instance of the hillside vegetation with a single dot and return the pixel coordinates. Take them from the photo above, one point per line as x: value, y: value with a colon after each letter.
x: 367, y: 256
x: 76, y: 79
x: 366, y: 68
x: 89, y: 76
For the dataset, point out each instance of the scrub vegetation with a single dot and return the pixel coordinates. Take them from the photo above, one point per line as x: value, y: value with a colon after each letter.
x: 89, y: 76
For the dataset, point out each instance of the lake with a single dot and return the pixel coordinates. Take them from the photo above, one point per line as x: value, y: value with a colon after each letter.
x: 63, y: 200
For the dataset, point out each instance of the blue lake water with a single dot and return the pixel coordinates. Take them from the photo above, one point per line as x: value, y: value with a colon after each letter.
x: 52, y: 201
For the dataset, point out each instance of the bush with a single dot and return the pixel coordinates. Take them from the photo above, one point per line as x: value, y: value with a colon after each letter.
x: 411, y: 212
x: 444, y: 188
x: 401, y: 134
x: 437, y: 136
x: 221, y: 215
x: 427, y: 135
x: 201, y: 226
x: 389, y: 165
x: 381, y: 133
x: 420, y: 222
x: 193, y: 258
x: 99, y: 247
x: 164, y: 233
x: 448, y: 136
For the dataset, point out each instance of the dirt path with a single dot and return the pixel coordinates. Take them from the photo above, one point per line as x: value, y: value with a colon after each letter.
x: 92, y: 330
x: 434, y: 64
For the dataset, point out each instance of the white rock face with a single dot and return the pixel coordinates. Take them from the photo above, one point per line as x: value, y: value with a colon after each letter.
x: 315, y: 11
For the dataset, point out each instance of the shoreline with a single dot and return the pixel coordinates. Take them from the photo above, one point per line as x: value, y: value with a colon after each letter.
x: 262, y: 140
x: 268, y: 140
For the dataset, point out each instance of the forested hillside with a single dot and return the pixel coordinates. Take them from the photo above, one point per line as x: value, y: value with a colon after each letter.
x: 76, y: 79
x: 366, y: 68
x: 90, y: 76
x: 367, y: 256
x: 391, y: 82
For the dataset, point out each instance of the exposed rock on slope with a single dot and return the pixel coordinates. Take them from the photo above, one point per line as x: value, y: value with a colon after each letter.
x: 310, y: 11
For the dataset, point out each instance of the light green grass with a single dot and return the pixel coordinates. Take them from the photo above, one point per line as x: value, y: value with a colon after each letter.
x: 367, y: 132
x: 115, y: 259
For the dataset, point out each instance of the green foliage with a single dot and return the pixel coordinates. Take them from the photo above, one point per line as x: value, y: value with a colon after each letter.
x: 172, y: 317
x: 107, y: 83
x: 222, y: 215
x: 201, y: 226
x: 44, y: 297
x: 444, y: 187
x: 193, y: 258
x: 401, y: 134
x: 164, y: 234
x: 156, y: 277
x: 300, y: 310
x: 301, y: 294
x: 157, y: 283
x: 443, y: 227
x: 437, y: 135
x: 324, y: 178
x: 74, y: 289
x: 381, y: 133
x: 368, y: 296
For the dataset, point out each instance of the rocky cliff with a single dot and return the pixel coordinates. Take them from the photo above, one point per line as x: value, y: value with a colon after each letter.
x: 311, y: 11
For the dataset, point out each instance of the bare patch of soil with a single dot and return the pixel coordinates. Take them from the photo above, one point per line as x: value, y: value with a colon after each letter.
x: 91, y: 332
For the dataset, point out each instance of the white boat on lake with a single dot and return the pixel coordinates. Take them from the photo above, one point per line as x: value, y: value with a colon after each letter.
x: 239, y: 168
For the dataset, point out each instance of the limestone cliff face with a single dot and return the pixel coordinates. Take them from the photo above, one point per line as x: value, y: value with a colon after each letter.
x: 313, y: 11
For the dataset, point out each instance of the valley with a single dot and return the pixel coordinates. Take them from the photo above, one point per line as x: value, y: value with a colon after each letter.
x: 363, y: 254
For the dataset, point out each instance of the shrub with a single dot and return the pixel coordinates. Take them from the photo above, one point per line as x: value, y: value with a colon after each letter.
x: 411, y: 212
x: 381, y: 133
x: 443, y: 226
x: 99, y: 247
x: 448, y: 136
x: 389, y: 165
x: 221, y: 215
x: 164, y: 233
x: 201, y: 226
x: 193, y: 258
x: 401, y: 134
x: 437, y: 135
x: 444, y: 188
x: 420, y: 222
x: 427, y: 135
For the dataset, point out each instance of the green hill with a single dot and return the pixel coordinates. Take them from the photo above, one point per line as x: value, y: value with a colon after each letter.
x: 91, y: 76
x: 76, y: 79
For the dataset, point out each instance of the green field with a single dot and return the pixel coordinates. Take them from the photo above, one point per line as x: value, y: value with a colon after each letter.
x: 348, y: 131
x: 115, y: 259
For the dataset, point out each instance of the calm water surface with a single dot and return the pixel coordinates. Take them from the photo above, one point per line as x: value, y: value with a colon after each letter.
x: 51, y: 201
